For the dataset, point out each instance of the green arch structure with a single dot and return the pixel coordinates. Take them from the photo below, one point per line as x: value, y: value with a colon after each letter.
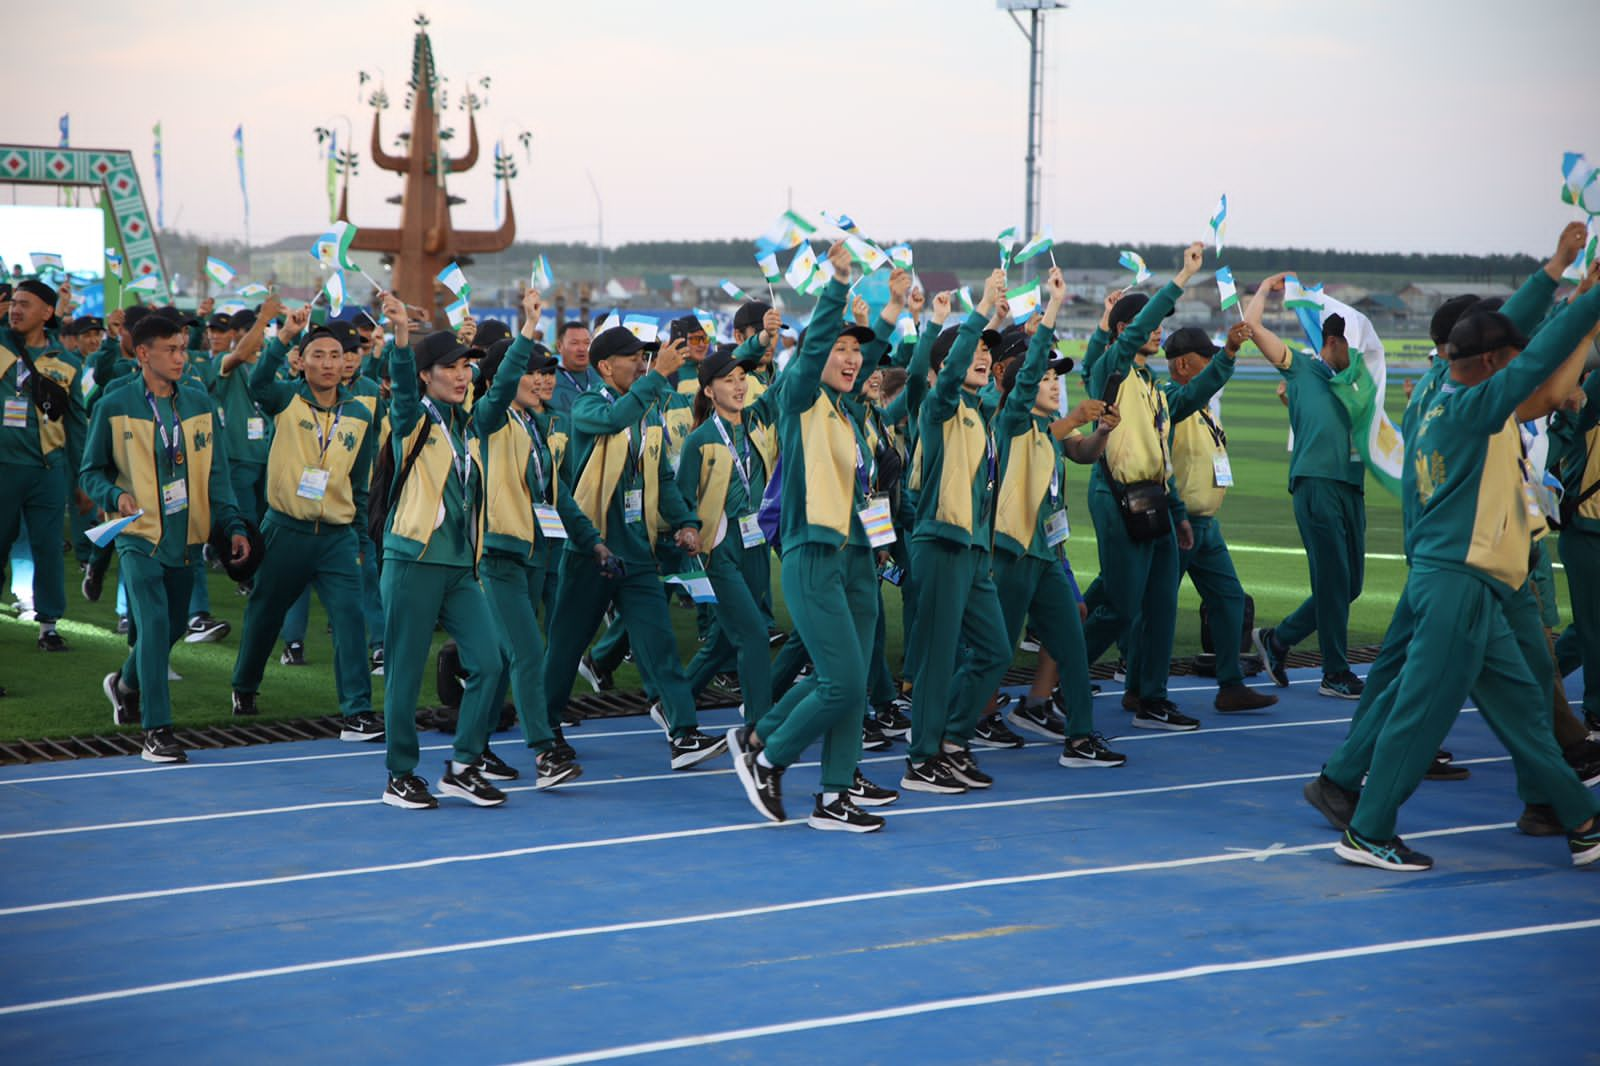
x: 128, y: 228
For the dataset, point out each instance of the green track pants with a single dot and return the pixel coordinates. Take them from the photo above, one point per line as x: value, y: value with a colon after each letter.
x: 158, y: 616
x: 830, y: 595
x: 739, y: 576
x: 39, y: 495
x: 513, y: 588
x: 1139, y: 605
x: 1332, y: 517
x: 296, y: 561
x: 1462, y: 644
x: 957, y: 606
x: 1036, y: 588
x: 1580, y: 644
x: 416, y: 595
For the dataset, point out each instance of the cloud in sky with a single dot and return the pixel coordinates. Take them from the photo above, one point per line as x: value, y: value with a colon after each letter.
x: 1436, y: 125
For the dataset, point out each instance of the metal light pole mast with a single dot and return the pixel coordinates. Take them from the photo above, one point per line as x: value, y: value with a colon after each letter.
x: 1034, y: 32
x: 600, y: 232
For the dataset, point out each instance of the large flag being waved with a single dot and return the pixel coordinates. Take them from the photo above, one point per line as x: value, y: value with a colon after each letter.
x: 334, y: 287
x: 1296, y: 297
x: 219, y: 272
x: 1131, y: 260
x: 790, y: 231
x: 1226, y: 289
x: 333, y: 247
x: 1005, y: 239
x: 1360, y: 387
x: 1219, y: 222
x: 1039, y: 245
x: 1024, y: 300
x: 734, y: 292
x: 768, y: 262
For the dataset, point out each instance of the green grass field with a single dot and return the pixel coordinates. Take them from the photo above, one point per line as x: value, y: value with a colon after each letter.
x: 59, y: 695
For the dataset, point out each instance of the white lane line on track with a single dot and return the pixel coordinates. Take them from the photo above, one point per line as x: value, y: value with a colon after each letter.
x: 694, y: 919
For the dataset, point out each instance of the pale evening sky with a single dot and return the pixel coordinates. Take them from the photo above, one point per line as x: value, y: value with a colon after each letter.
x: 1435, y: 125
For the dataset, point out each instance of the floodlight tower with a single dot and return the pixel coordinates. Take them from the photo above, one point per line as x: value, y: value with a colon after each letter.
x: 1034, y: 32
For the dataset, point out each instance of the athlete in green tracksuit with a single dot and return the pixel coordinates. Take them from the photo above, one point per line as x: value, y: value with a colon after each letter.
x: 829, y: 576
x: 1470, y: 547
x: 624, y: 485
x: 153, y: 455
x: 432, y: 542
x: 318, y: 470
x: 527, y: 509
x: 1031, y: 531
x: 722, y: 476
x: 40, y: 451
x: 1141, y: 576
x: 1579, y: 466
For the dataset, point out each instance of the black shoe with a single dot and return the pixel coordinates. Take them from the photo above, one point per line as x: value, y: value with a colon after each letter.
x: 470, y: 786
x: 1037, y: 719
x: 1539, y: 820
x: 294, y: 654
x: 694, y: 747
x: 864, y: 793
x: 1089, y: 751
x: 366, y: 726
x: 409, y: 792
x: 1442, y: 769
x: 1234, y: 698
x: 1382, y: 854
x: 659, y: 716
x: 570, y: 717
x: 842, y: 816
x: 895, y: 720
x: 203, y: 629
x: 964, y: 768
x: 599, y: 680
x: 1585, y: 844
x: 562, y: 748
x: 494, y: 768
x: 376, y: 662
x: 244, y: 704
x: 1094, y: 689
x: 931, y: 775
x: 1341, y: 686
x: 161, y: 746
x: 124, y: 701
x: 776, y: 638
x: 93, y: 583
x: 1274, y: 656
x: 1163, y: 714
x: 1337, y: 803
x: 52, y: 641
x: 552, y: 769
x: 1584, y: 758
x: 992, y: 732
x: 873, y: 737
x: 763, y: 786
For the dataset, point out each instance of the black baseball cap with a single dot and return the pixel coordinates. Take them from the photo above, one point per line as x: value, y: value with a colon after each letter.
x: 85, y: 323
x: 134, y: 315
x: 1484, y: 331
x: 541, y: 359
x: 1008, y: 380
x: 222, y: 548
x: 619, y: 340
x: 219, y: 320
x: 1447, y: 315
x: 345, y: 333
x: 1125, y: 309
x: 317, y: 333
x: 491, y: 332
x: 244, y: 319
x: 942, y: 344
x: 441, y: 348
x: 719, y: 362
x: 685, y: 326
x: 1190, y: 340
x: 750, y: 314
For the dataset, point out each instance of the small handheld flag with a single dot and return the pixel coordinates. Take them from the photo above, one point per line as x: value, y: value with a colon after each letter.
x: 803, y: 270
x: 1130, y: 260
x: 456, y: 312
x: 864, y: 252
x: 708, y: 322
x: 253, y: 290
x: 644, y: 327
x: 1041, y: 244
x: 611, y: 321
x: 148, y: 283
x: 1226, y: 289
x: 113, y: 259
x: 900, y: 256
x: 734, y: 292
x: 964, y: 300
x: 334, y: 287
x: 1580, y: 184
x: 219, y: 272
x: 1024, y: 300
x: 768, y: 262
x: 107, y: 531
x: 695, y: 583
x: 790, y: 231
x: 1219, y: 222
x: 43, y: 261
x: 1005, y: 239
x: 333, y: 247
x: 541, y: 277
x: 453, y: 279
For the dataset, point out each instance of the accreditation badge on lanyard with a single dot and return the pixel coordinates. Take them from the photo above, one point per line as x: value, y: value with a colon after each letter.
x: 17, y: 407
x: 1056, y: 529
x: 750, y: 533
x: 544, y: 512
x: 174, y: 492
x: 314, y: 479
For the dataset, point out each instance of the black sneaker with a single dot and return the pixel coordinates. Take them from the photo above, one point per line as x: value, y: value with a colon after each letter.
x: 1539, y: 820
x: 776, y: 638
x: 1337, y: 803
x: 1341, y: 686
x: 1119, y: 673
x: 93, y: 583
x: 470, y: 785
x: 571, y: 718
x: 161, y: 746
x: 763, y: 786
x: 1585, y: 844
x: 294, y: 654
x: 1029, y: 642
x: 1384, y: 854
x: 124, y: 701
x: 244, y: 704
x: 366, y: 726
x: 1584, y: 758
x: 895, y: 718
x: 598, y: 679
x: 742, y: 741
x: 964, y: 768
x: 1442, y: 769
x: 873, y: 737
x: 659, y: 717
x: 992, y: 732
x: 552, y: 768
x: 494, y: 768
x: 864, y: 793
x: 52, y: 641
x: 1090, y: 751
x: 376, y: 662
x: 694, y: 747
x: 1163, y: 714
x: 1274, y: 656
x: 203, y: 629
x: 409, y: 792
x: 842, y: 816
x: 931, y: 775
x: 1036, y: 718
x: 562, y: 748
